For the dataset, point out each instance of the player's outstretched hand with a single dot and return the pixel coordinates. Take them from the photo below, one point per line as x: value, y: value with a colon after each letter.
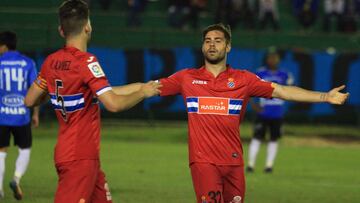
x: 151, y: 88
x: 334, y: 96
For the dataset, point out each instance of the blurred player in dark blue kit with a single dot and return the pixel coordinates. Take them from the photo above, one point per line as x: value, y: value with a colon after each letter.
x: 17, y: 73
x: 270, y: 113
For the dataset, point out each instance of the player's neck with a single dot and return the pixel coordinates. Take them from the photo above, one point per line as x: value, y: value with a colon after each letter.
x: 77, y: 42
x: 215, y: 69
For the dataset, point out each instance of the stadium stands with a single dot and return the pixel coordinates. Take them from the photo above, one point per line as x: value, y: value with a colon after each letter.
x: 36, y: 23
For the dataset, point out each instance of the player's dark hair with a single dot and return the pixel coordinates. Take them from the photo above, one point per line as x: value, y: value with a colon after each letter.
x: 73, y: 16
x: 8, y: 39
x: 220, y: 27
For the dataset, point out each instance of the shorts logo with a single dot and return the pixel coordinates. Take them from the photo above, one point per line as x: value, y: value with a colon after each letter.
x: 231, y: 83
x: 236, y: 199
x: 108, y: 194
x: 96, y: 70
x: 214, y: 105
x: 203, y: 199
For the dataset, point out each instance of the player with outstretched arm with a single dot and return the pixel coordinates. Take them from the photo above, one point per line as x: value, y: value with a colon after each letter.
x: 74, y: 81
x: 216, y: 96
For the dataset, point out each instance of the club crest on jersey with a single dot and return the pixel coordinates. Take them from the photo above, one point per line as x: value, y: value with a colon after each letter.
x: 231, y: 83
x: 96, y: 70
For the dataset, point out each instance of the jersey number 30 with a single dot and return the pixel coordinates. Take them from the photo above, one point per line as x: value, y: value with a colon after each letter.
x: 60, y: 99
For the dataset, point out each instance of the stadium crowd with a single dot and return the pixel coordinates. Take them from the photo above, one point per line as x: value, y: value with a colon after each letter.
x: 338, y: 15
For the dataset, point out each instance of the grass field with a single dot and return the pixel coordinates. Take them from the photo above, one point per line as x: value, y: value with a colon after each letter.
x: 147, y: 162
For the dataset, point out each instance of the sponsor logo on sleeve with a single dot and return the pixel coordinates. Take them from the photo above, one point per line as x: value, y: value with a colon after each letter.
x: 96, y: 69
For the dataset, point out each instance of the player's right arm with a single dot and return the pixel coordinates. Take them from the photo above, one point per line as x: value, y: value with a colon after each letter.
x: 127, y: 89
x: 172, y: 85
x: 114, y: 102
x: 118, y: 98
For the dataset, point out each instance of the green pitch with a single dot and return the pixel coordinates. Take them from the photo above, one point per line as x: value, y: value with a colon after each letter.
x: 148, y: 163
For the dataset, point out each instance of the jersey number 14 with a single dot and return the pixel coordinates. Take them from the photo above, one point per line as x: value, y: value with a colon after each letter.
x: 13, y: 75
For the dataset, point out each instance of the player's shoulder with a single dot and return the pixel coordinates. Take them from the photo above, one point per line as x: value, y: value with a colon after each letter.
x: 90, y: 62
x: 240, y: 72
x: 86, y: 57
x: 192, y: 70
x: 53, y: 55
x: 186, y: 71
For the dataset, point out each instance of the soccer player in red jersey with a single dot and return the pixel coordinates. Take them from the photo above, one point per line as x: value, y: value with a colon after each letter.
x: 74, y: 81
x: 216, y: 96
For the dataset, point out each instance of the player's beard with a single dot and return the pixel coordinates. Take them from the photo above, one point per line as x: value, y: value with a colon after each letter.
x: 215, y: 59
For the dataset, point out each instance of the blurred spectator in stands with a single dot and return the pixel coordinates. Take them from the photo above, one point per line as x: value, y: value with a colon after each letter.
x: 333, y: 9
x: 268, y: 13
x: 306, y: 11
x: 88, y: 2
x: 182, y: 12
x: 351, y: 11
x: 252, y: 7
x: 104, y: 4
x: 231, y: 12
x: 196, y: 6
x: 178, y: 11
x: 135, y: 9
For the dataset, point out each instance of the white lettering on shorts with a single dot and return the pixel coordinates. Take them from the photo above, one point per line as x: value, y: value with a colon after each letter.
x: 236, y: 199
x: 108, y: 194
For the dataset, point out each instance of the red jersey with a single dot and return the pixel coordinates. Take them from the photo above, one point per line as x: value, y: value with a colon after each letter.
x: 215, y: 109
x: 73, y: 79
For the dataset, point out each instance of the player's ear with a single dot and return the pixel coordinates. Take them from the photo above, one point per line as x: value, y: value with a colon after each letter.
x: 61, y: 31
x: 88, y: 27
x: 228, y: 47
x: 2, y: 49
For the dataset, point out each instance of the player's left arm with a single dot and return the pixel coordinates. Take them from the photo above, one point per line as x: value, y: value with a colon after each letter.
x: 127, y: 89
x: 36, y: 96
x: 35, y: 116
x: 293, y: 93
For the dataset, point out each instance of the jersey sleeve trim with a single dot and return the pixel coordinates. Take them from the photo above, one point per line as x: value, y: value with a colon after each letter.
x: 103, y: 90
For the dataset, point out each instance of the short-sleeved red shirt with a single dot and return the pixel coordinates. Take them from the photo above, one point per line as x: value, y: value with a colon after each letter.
x: 215, y: 109
x: 73, y: 80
